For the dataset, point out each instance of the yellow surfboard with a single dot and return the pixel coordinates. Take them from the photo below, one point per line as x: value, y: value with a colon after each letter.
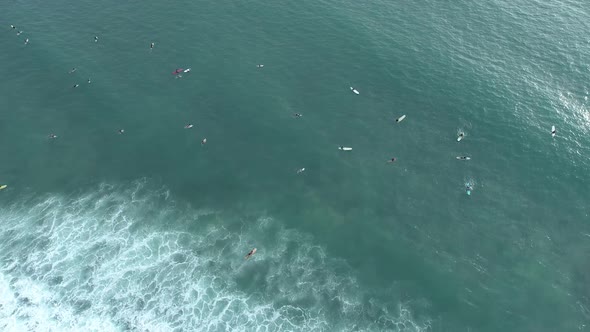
x: 3, y: 186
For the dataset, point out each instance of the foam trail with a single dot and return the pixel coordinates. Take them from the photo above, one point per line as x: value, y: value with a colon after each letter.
x: 99, y: 262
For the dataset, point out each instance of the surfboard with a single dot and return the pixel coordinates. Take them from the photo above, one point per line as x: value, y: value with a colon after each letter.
x: 344, y: 148
x: 187, y: 70
x: 3, y: 186
x: 401, y: 118
x: 354, y: 90
x: 553, y: 131
x: 463, y: 158
x: 468, y: 189
x: 459, y: 138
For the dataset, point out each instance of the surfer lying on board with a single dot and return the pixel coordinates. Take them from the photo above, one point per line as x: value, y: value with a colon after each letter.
x: 392, y: 160
x: 252, y: 252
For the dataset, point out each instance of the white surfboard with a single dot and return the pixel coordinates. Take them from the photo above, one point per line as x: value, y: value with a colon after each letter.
x: 344, y: 148
x: 401, y: 118
x: 460, y: 137
x: 553, y: 132
x: 187, y: 70
x: 354, y: 90
x: 463, y: 158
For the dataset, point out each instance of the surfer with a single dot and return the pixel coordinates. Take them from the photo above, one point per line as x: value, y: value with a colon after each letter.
x: 301, y: 170
x: 461, y: 135
x: 259, y: 66
x: 96, y: 39
x: 18, y: 33
x: 204, y: 141
x: 52, y: 136
x: 463, y: 158
x: 188, y: 126
x: 89, y: 81
x: 121, y: 131
x: 73, y: 70
x: 553, y: 131
x: 26, y: 41
x: 297, y: 115
x: 152, y: 46
x: 392, y: 160
x: 187, y: 70
x: 468, y: 189
x: 13, y: 27
x: 76, y: 85
x: 252, y: 252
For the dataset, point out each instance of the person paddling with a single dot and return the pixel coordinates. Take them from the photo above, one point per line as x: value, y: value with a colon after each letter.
x: 252, y: 252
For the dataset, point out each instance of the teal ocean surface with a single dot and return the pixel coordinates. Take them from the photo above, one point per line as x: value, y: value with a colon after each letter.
x: 146, y: 230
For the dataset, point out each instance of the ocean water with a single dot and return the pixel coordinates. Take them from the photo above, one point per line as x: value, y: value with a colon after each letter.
x: 147, y: 230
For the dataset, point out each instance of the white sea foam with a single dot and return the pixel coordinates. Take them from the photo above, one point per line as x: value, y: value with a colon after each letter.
x: 103, y: 262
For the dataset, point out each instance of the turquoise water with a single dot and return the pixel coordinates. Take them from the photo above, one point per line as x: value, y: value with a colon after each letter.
x: 146, y: 231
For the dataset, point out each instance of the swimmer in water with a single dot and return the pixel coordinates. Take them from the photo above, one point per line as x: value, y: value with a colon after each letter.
x: 252, y: 252
x: 204, y: 141
x: 392, y: 160
x: 73, y: 70
x: 188, y: 126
